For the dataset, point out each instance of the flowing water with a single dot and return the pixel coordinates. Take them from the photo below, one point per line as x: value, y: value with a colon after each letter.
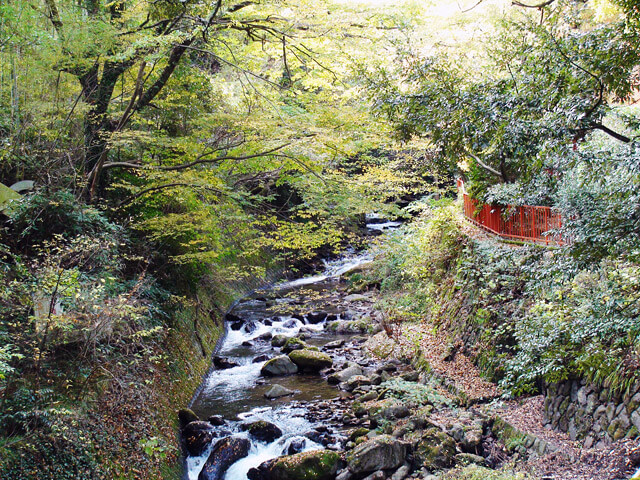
x: 237, y: 393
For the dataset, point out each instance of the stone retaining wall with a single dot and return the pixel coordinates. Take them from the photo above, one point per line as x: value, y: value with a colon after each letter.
x: 593, y: 414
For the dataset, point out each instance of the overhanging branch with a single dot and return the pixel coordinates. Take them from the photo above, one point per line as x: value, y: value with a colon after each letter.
x: 537, y: 5
x: 486, y: 167
x: 612, y: 133
x: 198, y: 161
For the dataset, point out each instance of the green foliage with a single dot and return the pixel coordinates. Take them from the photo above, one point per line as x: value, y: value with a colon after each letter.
x: 529, y: 314
x: 415, y: 393
x: 44, y: 215
x: 599, y: 198
x: 475, y: 472
x: 582, y: 322
x: 545, y: 85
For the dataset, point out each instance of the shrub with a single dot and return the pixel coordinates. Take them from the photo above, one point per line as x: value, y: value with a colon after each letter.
x: 43, y: 215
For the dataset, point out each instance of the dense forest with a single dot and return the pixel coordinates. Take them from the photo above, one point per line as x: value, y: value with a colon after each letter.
x: 161, y: 160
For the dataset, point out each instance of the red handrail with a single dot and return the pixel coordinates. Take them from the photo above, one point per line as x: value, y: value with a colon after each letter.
x: 528, y: 223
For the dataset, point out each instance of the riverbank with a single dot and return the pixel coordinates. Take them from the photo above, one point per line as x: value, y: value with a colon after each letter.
x: 404, y: 387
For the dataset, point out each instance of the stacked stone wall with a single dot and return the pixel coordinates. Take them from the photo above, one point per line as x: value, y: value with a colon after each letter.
x: 593, y: 414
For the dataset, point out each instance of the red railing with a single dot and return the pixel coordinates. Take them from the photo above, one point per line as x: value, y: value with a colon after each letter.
x: 527, y: 223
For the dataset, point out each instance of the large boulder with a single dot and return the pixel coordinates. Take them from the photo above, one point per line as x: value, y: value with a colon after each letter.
x: 315, y: 465
x: 310, y: 360
x: 435, y: 450
x: 262, y: 430
x: 186, y: 416
x: 383, y: 452
x: 197, y: 436
x: 279, y: 366
x: 225, y: 453
x: 344, y: 375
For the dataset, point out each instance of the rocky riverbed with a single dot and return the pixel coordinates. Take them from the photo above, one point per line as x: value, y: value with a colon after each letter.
x: 312, y: 384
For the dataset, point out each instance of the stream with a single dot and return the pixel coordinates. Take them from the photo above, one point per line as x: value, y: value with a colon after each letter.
x: 233, y: 394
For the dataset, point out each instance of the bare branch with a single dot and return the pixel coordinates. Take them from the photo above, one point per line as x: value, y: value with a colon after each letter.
x: 54, y: 15
x: 130, y: 199
x: 174, y: 58
x: 198, y: 161
x: 470, y: 8
x: 136, y: 93
x: 538, y: 5
x: 612, y: 133
x: 485, y: 166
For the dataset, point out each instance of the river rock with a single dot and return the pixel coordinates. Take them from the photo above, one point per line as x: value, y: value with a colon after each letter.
x: 344, y: 375
x: 471, y: 438
x: 186, y: 416
x: 310, y: 360
x: 402, y: 472
x: 216, y: 420
x: 236, y: 325
x: 279, y: 366
x: 380, y: 453
x: 356, y: 297
x: 262, y: 430
x: 388, y: 367
x: 315, y: 465
x: 278, y: 340
x: 293, y: 343
x: 225, y: 453
x: 395, y: 411
x: 260, y: 358
x: 296, y: 445
x: 250, y: 327
x: 379, y: 475
x: 356, y: 381
x: 230, y: 317
x: 197, y: 436
x: 357, y: 433
x: 335, y: 344
x: 222, y: 363
x: 277, y: 391
x: 411, y: 376
x: 316, y: 317
x: 435, y: 450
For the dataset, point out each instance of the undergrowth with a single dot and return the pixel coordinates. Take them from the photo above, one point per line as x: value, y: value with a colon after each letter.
x: 95, y: 353
x: 526, y: 314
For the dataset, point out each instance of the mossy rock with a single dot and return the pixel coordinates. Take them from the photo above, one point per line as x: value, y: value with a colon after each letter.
x: 357, y: 433
x: 383, y: 452
x: 293, y: 343
x: 435, y: 450
x: 279, y: 366
x: 315, y: 465
x: 263, y: 430
x: 310, y: 360
x: 186, y: 416
x: 279, y: 340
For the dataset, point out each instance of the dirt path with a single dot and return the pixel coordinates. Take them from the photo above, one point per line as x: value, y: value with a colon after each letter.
x: 569, y: 460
